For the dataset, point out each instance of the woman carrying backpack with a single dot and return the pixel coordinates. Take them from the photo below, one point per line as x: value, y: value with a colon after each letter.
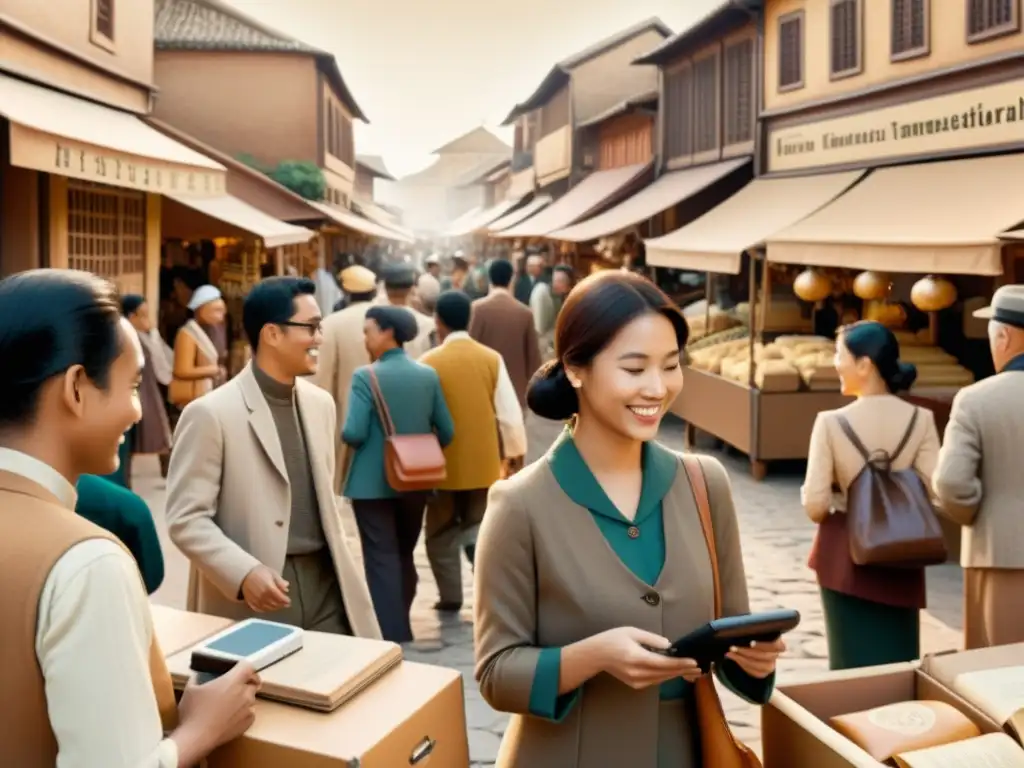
x: 871, y: 611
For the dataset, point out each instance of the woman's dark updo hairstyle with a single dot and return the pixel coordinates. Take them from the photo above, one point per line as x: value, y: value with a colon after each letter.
x: 399, y: 320
x: 593, y: 314
x: 879, y: 345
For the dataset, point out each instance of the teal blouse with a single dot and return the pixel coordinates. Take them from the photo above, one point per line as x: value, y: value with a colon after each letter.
x: 643, y: 555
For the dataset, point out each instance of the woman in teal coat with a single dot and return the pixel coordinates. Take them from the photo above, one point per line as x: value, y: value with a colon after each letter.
x: 389, y: 521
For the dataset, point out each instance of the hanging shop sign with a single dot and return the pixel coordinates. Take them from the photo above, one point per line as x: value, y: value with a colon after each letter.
x: 979, y: 118
x: 64, y: 157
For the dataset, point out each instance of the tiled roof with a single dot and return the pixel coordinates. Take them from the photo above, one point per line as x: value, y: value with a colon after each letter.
x: 375, y: 164
x: 212, y: 25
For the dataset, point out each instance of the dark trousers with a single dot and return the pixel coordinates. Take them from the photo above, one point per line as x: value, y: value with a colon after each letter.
x: 453, y: 522
x: 389, y: 530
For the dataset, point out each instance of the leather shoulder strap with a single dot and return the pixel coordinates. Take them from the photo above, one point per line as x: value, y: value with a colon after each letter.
x: 852, y: 436
x: 382, y: 406
x: 699, y: 486
x: 906, y: 436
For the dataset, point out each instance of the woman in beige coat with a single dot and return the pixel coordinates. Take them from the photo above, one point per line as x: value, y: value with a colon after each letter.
x: 593, y: 558
x: 199, y: 362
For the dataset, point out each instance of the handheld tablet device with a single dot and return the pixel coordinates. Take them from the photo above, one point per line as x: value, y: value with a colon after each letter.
x: 709, y: 644
x: 260, y: 642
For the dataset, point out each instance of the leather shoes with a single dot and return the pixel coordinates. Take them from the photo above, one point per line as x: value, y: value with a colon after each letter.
x: 447, y: 606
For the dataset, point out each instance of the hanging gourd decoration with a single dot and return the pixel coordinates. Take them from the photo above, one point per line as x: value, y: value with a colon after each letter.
x: 871, y: 286
x: 812, y: 286
x: 932, y: 294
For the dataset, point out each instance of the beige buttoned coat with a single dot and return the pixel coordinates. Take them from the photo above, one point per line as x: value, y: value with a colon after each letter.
x: 546, y: 577
x: 229, y: 501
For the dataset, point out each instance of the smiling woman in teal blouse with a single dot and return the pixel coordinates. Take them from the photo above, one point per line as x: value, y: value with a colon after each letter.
x: 592, y: 556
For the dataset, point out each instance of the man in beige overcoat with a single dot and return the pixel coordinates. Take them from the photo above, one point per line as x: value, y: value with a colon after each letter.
x: 344, y: 347
x: 250, y: 499
x: 979, y: 483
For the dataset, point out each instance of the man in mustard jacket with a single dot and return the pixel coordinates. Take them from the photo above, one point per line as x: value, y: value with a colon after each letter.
x: 482, y: 401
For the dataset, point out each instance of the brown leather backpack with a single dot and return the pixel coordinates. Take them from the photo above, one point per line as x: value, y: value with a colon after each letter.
x: 719, y: 746
x: 411, y: 462
x: 889, y: 513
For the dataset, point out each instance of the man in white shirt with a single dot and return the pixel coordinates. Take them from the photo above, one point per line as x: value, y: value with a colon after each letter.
x: 85, y: 681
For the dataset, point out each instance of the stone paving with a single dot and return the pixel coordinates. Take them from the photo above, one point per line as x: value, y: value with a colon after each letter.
x: 776, y: 539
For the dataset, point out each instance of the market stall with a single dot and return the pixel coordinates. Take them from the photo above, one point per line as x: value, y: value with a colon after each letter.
x: 765, y: 416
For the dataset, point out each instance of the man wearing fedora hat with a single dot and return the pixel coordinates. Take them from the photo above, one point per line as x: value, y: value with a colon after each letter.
x: 979, y: 484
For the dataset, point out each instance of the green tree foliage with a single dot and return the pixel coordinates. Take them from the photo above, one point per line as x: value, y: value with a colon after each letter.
x: 300, y: 176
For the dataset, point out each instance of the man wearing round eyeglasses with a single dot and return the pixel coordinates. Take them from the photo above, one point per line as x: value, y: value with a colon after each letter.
x: 250, y: 498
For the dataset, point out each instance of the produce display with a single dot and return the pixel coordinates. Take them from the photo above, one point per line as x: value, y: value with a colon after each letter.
x: 798, y: 362
x: 788, y: 364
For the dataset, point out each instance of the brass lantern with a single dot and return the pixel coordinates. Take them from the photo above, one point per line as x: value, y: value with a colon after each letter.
x: 932, y: 294
x: 871, y: 286
x: 812, y: 286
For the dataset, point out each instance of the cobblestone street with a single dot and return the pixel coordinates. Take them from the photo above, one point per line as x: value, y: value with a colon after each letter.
x: 776, y: 538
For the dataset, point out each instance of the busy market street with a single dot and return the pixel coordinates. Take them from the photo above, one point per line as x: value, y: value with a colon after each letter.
x: 776, y: 538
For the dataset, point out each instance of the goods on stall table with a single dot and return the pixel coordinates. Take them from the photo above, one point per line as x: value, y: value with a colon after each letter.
x: 884, y: 732
x: 788, y: 364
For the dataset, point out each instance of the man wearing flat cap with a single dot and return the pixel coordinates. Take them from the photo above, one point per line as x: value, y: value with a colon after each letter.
x: 979, y: 483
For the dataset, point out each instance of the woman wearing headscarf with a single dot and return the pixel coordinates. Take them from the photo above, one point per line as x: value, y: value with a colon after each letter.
x: 200, y: 349
x: 390, y: 521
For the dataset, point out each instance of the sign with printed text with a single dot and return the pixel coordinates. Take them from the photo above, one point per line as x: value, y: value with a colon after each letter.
x: 992, y: 116
x: 64, y: 157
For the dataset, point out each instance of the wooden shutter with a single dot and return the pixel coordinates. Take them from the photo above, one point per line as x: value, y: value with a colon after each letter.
x: 739, y: 92
x: 705, y: 104
x: 845, y: 37
x: 104, y: 10
x: 909, y: 28
x: 987, y: 18
x: 679, y: 113
x: 791, y: 51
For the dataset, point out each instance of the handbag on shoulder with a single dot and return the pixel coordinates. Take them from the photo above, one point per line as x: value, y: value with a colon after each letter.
x: 719, y: 746
x: 889, y: 513
x: 411, y: 462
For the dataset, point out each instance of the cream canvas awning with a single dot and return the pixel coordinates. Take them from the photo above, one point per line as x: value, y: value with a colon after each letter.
x: 240, y: 215
x: 715, y: 242
x: 520, y: 214
x: 944, y: 217
x: 595, y: 191
x: 354, y: 221
x: 378, y: 215
x: 483, y: 218
x: 68, y: 136
x: 665, y: 192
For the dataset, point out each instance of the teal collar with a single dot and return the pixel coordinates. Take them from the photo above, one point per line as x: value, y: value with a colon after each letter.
x: 574, y: 476
x: 396, y: 352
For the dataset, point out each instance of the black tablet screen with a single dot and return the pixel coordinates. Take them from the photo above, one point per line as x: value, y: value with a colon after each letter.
x: 249, y: 639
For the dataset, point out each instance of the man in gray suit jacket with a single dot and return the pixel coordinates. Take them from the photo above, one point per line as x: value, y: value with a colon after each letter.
x: 980, y: 485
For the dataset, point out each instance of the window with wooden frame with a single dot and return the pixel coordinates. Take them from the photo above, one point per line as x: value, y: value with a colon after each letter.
x: 791, y: 51
x: 679, y: 112
x: 705, y: 104
x: 910, y: 29
x: 107, y: 233
x: 991, y: 18
x: 738, y: 97
x: 101, y: 27
x: 845, y: 38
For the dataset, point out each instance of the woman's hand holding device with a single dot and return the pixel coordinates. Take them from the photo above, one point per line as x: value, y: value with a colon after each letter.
x: 624, y: 656
x: 759, y: 658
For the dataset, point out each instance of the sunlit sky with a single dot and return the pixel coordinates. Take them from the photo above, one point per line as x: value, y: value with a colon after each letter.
x: 427, y: 71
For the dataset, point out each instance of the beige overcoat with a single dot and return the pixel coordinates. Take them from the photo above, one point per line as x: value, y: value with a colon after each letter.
x: 343, y: 350
x: 546, y: 577
x: 229, y: 502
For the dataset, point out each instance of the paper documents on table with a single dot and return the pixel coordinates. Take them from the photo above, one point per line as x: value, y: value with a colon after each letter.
x: 993, y: 750
x: 999, y: 693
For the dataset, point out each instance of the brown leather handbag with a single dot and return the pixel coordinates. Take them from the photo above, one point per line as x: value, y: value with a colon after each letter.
x: 719, y: 746
x: 411, y: 462
x: 889, y: 514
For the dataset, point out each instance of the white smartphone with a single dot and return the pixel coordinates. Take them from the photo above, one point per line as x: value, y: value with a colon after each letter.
x: 258, y: 641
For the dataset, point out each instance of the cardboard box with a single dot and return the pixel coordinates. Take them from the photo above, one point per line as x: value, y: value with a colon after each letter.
x: 794, y: 725
x: 176, y: 630
x: 413, y: 711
